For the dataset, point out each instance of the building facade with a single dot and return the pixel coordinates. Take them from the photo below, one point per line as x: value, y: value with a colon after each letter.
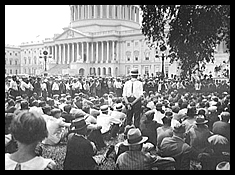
x: 101, y: 40
x: 12, y: 59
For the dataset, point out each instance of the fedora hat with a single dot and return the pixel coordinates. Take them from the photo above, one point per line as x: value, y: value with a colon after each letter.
x: 79, y: 124
x: 134, y: 137
x: 134, y: 71
x: 200, y: 120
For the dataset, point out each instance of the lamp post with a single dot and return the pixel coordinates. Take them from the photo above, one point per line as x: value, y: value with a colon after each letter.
x: 45, y: 56
x: 162, y: 49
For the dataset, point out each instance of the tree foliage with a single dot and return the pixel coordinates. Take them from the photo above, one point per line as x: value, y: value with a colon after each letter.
x: 192, y: 31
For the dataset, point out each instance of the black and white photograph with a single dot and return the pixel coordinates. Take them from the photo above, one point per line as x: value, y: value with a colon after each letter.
x: 117, y: 87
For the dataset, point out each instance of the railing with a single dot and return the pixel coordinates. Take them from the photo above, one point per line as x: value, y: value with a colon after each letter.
x: 114, y: 32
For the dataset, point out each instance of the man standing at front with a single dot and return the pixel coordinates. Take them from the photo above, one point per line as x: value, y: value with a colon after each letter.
x: 132, y: 92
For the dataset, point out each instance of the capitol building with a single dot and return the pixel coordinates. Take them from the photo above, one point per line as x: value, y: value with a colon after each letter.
x: 101, y: 40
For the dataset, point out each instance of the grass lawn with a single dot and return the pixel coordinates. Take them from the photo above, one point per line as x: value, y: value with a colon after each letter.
x: 57, y: 153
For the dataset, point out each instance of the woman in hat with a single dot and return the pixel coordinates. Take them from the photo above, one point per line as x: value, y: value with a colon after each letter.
x: 80, y: 150
x: 28, y: 129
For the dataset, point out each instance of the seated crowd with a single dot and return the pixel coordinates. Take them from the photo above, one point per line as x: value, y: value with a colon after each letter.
x: 176, y: 129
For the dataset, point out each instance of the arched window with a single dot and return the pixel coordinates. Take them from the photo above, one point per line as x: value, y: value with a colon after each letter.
x: 109, y: 71
x: 98, y: 71
x: 128, y: 55
x: 104, y: 71
x: 29, y: 60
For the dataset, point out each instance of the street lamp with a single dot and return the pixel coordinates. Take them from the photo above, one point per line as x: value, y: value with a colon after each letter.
x: 45, y: 56
x: 162, y: 49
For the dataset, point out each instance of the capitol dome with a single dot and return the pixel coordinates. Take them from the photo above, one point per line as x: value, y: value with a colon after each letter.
x: 97, y: 18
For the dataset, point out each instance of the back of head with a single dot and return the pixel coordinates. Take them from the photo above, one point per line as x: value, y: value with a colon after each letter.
x: 225, y: 116
x: 28, y: 128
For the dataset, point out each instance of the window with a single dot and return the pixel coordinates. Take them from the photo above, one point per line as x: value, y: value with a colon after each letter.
x: 10, y: 71
x: 15, y: 62
x: 10, y: 53
x: 136, y: 54
x: 136, y: 43
x: 128, y: 44
x: 25, y: 60
x: 147, y: 53
x: 10, y: 62
x: 128, y: 55
x: 146, y: 70
x: 25, y: 71
x: 25, y: 51
x: 16, y: 71
x: 15, y: 54
x: 29, y: 60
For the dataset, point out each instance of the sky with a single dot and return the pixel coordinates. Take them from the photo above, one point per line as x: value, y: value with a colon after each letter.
x: 25, y: 23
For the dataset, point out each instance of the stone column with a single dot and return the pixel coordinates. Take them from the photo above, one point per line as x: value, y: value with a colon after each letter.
x: 113, y: 43
x: 101, y: 11
x: 92, y: 53
x: 82, y: 56
x: 102, y: 51
x: 53, y: 52
x: 59, y: 53
x: 68, y: 54
x: 87, y: 52
x: 63, y: 60
x: 88, y: 10
x: 97, y: 59
x: 137, y: 15
x: 73, y: 50
x: 56, y: 54
x: 77, y: 51
x: 107, y: 52
x: 117, y: 51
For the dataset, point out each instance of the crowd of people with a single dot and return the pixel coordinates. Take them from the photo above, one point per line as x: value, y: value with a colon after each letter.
x: 166, y: 123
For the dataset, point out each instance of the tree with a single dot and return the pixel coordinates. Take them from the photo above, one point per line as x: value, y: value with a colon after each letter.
x: 193, y: 31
